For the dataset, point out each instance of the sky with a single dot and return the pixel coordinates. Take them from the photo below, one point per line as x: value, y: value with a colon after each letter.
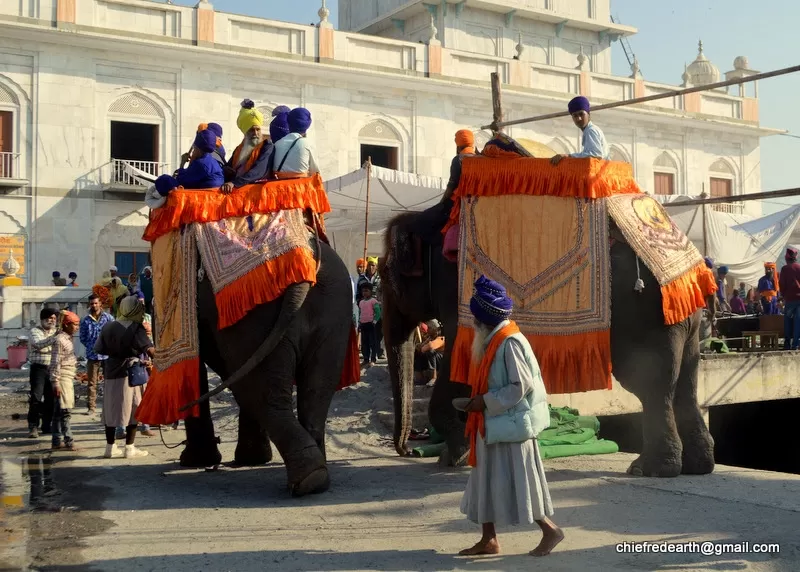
x: 667, y: 38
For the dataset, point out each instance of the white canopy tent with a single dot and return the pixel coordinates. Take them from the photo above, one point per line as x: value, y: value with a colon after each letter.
x: 740, y: 242
x: 390, y: 194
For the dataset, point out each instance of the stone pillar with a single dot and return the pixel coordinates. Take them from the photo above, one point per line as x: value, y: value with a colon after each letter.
x: 11, y: 309
x: 519, y: 73
x: 434, y: 51
x: 638, y: 88
x: 585, y: 84
x: 65, y: 12
x: 692, y: 102
x: 204, y: 18
x: 325, y: 39
x: 750, y: 109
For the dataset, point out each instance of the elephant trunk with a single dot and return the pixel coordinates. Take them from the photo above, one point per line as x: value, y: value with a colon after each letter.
x: 401, y: 372
x: 293, y: 300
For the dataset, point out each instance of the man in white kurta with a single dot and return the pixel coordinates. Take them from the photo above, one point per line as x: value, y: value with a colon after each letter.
x: 507, y: 485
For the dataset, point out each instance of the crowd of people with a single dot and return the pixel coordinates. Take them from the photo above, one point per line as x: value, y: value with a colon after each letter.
x: 777, y: 293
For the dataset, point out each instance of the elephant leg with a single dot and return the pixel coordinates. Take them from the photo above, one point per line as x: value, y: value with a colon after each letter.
x: 252, y: 447
x: 649, y: 370
x: 305, y: 464
x: 201, y: 449
x: 698, y: 445
x: 445, y: 419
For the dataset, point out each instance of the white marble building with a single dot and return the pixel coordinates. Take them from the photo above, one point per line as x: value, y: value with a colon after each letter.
x: 87, y: 84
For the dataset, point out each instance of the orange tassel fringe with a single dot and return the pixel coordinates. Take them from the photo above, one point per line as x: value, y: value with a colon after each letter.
x: 569, y: 364
x: 263, y: 284
x: 685, y: 295
x: 168, y: 391
x: 188, y: 206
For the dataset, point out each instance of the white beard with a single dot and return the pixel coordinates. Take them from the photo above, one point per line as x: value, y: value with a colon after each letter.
x: 248, y: 146
x: 479, y: 342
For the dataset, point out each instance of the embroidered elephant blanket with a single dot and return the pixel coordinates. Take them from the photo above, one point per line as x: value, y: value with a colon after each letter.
x: 543, y: 232
x: 251, y: 245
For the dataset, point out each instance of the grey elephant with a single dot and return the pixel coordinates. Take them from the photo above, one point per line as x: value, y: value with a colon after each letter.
x: 657, y: 363
x: 303, y: 338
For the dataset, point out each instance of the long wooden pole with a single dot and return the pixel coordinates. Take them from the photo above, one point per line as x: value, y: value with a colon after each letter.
x: 497, y: 104
x: 366, y: 210
x: 498, y: 125
x: 737, y: 198
x: 705, y: 234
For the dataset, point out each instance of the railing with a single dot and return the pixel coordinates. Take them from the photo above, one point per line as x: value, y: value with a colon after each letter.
x: 729, y: 208
x: 9, y: 165
x: 20, y: 305
x: 134, y: 173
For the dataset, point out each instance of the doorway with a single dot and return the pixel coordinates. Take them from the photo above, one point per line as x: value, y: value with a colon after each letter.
x: 382, y: 156
x: 136, y: 143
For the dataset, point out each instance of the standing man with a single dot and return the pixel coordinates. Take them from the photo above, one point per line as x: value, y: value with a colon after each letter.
x: 90, y: 328
x: 768, y: 289
x: 58, y: 280
x: 62, y: 375
x: 73, y: 280
x: 40, y: 349
x: 722, y: 295
x: 508, y: 409
x: 790, y: 288
x: 112, y: 271
x: 593, y: 142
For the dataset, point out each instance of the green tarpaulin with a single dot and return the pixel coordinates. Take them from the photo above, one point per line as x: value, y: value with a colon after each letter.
x: 571, y: 433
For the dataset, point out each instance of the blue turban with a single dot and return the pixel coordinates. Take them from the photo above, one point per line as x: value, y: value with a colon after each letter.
x: 299, y: 120
x: 206, y: 141
x: 280, y: 109
x: 722, y: 269
x: 709, y: 262
x: 215, y: 128
x: 56, y: 274
x: 489, y: 303
x: 279, y: 128
x: 579, y: 103
x: 164, y: 184
x: 73, y: 274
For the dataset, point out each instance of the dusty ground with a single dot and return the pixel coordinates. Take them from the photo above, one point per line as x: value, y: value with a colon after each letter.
x: 383, y: 513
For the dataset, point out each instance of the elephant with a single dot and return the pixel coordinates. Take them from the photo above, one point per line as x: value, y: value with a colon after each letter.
x: 301, y: 337
x: 657, y: 363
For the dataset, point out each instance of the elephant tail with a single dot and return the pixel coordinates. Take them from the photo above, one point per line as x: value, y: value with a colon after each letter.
x: 293, y: 300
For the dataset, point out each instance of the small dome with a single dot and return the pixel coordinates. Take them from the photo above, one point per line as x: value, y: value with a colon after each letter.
x: 701, y: 71
x: 741, y: 63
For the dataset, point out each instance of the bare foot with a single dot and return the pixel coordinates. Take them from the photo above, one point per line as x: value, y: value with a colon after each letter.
x: 490, y: 546
x: 549, y: 541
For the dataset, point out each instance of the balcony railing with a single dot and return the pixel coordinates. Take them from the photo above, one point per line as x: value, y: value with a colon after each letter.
x: 9, y: 165
x: 729, y: 208
x: 135, y: 173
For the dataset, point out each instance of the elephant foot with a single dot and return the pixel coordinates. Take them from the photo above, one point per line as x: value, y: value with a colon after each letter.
x: 200, y: 458
x: 252, y: 454
x: 447, y: 459
x: 698, y: 459
x: 318, y: 481
x: 649, y: 467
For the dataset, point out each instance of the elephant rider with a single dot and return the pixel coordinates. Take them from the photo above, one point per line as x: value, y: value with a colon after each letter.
x: 593, y: 142
x: 768, y: 289
x: 219, y: 151
x: 248, y: 162
x: 293, y: 157
x: 203, y: 172
x: 428, y: 225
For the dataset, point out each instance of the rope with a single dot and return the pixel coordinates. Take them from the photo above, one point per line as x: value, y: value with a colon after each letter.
x: 165, y: 443
x: 639, y: 286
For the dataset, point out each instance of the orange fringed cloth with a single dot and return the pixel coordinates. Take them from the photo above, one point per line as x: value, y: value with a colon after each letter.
x: 187, y: 206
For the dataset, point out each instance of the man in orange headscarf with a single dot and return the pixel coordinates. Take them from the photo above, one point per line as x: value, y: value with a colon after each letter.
x: 429, y: 223
x: 62, y: 375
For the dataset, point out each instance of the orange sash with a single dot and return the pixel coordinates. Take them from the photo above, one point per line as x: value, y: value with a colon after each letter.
x: 479, y: 381
x: 251, y: 160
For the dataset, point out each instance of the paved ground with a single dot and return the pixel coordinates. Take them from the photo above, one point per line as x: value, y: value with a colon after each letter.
x: 383, y: 513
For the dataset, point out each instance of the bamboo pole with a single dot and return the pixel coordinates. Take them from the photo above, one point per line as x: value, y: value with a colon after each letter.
x: 737, y: 198
x: 498, y: 125
x: 366, y: 210
x: 705, y: 234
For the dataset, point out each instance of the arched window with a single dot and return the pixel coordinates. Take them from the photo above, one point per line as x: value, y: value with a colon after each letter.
x: 381, y: 143
x: 665, y: 174
x: 560, y: 147
x: 721, y: 179
x: 9, y: 151
x: 618, y: 154
x: 136, y: 136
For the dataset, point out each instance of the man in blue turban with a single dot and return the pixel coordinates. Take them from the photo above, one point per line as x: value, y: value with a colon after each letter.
x: 508, y: 409
x: 248, y: 162
x: 293, y: 157
x: 279, y: 127
x: 722, y: 297
x: 593, y: 141
x: 203, y: 172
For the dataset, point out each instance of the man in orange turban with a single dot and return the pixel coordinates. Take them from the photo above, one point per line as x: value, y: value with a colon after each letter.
x: 361, y: 266
x: 429, y: 223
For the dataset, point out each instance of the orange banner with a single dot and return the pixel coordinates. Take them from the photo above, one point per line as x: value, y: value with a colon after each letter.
x: 15, y: 242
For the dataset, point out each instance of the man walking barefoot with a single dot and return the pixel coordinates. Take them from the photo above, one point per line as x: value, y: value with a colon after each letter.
x: 508, y: 409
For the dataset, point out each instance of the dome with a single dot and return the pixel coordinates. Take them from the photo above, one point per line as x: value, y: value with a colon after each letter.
x: 701, y: 71
x: 741, y: 63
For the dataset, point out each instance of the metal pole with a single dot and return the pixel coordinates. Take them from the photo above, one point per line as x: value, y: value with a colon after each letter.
x: 737, y: 198
x: 366, y: 210
x: 705, y: 235
x: 497, y: 103
x: 498, y: 125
